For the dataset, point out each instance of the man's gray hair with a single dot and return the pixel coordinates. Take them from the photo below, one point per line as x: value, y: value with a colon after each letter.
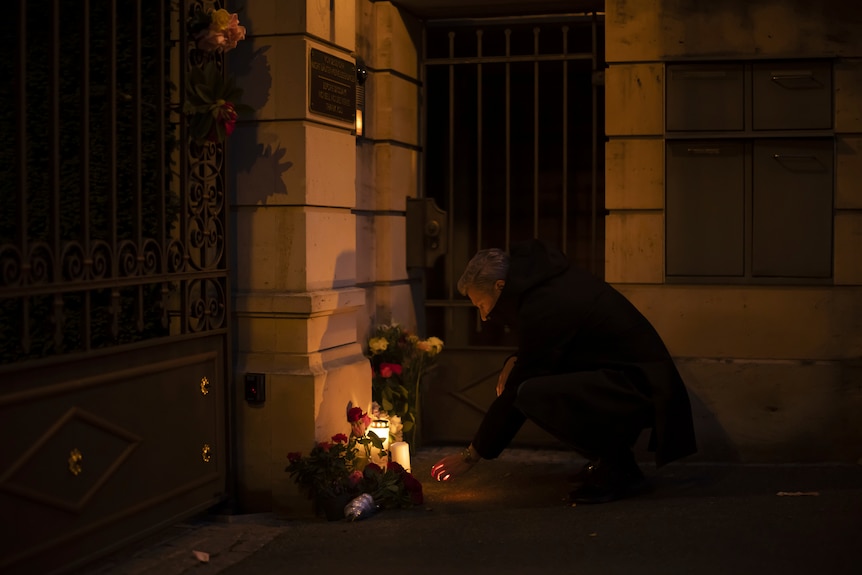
x: 483, y: 271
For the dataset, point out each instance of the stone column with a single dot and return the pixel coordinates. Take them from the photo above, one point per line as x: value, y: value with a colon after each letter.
x: 388, y: 159
x: 293, y: 237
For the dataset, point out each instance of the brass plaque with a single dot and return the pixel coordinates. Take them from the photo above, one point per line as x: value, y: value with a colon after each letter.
x: 332, y: 89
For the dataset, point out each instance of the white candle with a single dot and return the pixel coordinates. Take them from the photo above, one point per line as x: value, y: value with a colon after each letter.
x: 380, y: 428
x: 400, y: 453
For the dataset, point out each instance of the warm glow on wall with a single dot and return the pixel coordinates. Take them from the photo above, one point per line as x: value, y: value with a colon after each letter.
x: 359, y: 126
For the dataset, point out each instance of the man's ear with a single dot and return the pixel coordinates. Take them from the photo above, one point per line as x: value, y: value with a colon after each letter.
x: 498, y: 285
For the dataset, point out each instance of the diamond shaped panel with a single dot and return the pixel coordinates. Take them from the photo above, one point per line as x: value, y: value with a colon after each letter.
x: 71, y: 461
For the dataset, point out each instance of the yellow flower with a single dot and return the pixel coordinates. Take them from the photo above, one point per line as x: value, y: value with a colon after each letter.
x: 220, y: 19
x: 377, y: 345
x: 436, y: 344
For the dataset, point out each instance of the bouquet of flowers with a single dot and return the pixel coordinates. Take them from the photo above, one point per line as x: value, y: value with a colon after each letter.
x: 213, y: 102
x: 398, y: 361
x: 338, y: 469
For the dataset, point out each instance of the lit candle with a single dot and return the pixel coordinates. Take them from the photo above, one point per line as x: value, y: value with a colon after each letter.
x: 380, y: 428
x: 399, y: 452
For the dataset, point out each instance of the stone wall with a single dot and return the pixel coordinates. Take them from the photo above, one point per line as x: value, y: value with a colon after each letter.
x: 774, y: 371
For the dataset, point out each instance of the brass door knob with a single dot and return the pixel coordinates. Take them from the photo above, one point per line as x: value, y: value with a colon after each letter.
x: 205, y: 386
x: 206, y: 453
x: 75, y: 458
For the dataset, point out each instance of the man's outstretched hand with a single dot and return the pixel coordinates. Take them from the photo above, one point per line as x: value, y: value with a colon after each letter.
x: 454, y: 465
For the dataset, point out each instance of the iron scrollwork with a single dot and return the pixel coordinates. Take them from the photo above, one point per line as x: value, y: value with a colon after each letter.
x: 135, y: 246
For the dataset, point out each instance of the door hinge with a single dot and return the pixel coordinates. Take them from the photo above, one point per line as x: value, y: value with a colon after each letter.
x: 427, y: 232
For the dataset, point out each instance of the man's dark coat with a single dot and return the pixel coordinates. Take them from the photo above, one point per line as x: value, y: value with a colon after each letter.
x: 567, y: 320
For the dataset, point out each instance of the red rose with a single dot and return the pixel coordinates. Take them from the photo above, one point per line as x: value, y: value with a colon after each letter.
x: 339, y: 438
x: 294, y: 456
x: 387, y: 369
x: 325, y: 445
x: 223, y: 114
x: 358, y: 428
x: 354, y: 414
x: 414, y: 488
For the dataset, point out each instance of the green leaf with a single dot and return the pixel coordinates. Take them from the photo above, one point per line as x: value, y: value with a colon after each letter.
x: 205, y: 93
x: 387, y: 405
x: 211, y: 74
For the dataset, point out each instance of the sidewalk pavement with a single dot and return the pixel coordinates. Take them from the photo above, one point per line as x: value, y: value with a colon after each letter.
x: 512, y: 515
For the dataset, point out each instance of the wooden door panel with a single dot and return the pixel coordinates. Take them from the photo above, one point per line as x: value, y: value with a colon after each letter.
x: 99, y: 453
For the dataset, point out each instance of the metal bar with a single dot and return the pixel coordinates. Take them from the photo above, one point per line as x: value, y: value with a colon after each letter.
x: 112, y: 133
x: 95, y: 285
x: 585, y: 17
x: 451, y: 184
x: 86, y: 326
x: 138, y: 184
x: 22, y: 164
x: 423, y: 119
x: 479, y: 142
x: 508, y: 33
x: 54, y: 90
x: 160, y: 122
x: 114, y: 307
x: 536, y: 134
x: 22, y: 129
x: 185, y: 163
x: 594, y: 258
x: 565, y: 174
x: 504, y: 59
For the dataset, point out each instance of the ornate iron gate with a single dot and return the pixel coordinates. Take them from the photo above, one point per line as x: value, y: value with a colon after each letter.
x: 513, y: 150
x: 114, y: 287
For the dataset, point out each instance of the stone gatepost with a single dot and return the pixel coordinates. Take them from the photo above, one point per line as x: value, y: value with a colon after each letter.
x: 293, y: 237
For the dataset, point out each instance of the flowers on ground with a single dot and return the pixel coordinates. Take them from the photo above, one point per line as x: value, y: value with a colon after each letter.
x: 339, y: 467
x: 398, y: 361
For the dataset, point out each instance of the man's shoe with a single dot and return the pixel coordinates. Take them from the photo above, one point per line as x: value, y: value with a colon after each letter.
x: 606, y: 483
x: 581, y: 477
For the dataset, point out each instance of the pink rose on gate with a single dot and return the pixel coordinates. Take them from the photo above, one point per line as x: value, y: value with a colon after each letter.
x: 233, y: 33
x: 222, y: 34
x: 387, y: 369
